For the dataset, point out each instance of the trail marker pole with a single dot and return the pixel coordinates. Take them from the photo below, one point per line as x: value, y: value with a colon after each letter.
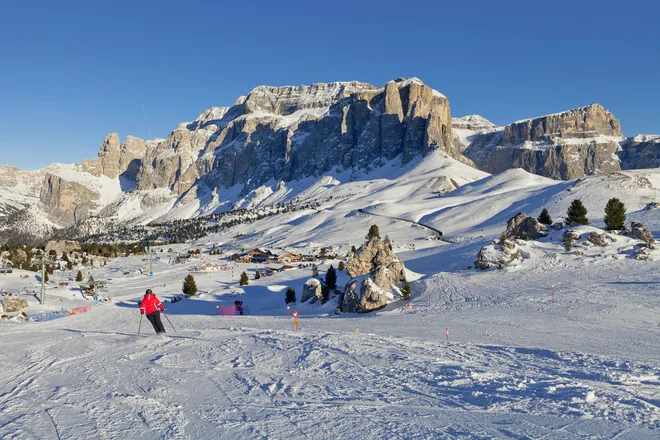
x: 140, y: 326
x: 288, y: 313
x: 553, y: 293
x: 295, y: 321
x: 447, y: 336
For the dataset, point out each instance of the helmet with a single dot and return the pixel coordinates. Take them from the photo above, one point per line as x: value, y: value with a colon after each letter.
x: 148, y: 292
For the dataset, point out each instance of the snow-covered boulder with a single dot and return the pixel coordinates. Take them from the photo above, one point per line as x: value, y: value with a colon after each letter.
x: 498, y: 255
x: 312, y: 289
x: 376, y: 271
x: 524, y: 227
x: 14, y: 304
x: 639, y: 232
x: 597, y: 239
x: 570, y: 235
x: 363, y: 295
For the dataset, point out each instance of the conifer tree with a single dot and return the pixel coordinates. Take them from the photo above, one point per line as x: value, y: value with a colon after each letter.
x: 69, y: 265
x: 576, y: 214
x: 244, y: 279
x: 615, y: 214
x: 189, y: 285
x: 353, y: 249
x: 341, y: 266
x: 257, y: 275
x: 79, y: 276
x: 45, y: 276
x: 331, y: 277
x: 290, y: 296
x: 545, y: 217
x: 374, y: 232
x: 405, y: 291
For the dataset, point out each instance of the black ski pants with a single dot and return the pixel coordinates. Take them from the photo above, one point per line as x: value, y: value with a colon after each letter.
x: 154, y: 319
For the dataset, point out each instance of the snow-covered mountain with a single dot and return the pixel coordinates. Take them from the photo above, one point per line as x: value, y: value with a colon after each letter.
x: 282, y: 143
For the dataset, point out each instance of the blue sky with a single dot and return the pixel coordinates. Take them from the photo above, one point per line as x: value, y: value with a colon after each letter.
x: 72, y: 72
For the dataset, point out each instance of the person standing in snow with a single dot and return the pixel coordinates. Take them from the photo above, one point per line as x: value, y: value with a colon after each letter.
x: 152, y: 308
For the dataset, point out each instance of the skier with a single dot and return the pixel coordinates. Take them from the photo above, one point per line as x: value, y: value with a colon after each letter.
x: 152, y: 308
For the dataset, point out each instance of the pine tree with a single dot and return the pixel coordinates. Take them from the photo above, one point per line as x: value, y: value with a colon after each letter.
x: 91, y: 283
x: 315, y: 271
x: 45, y: 277
x: 615, y: 214
x: 353, y: 250
x: 405, y: 291
x: 189, y: 286
x: 84, y: 260
x: 325, y: 292
x: 69, y: 265
x: 567, y: 244
x: 79, y: 276
x: 373, y: 233
x: 341, y: 266
x: 49, y: 269
x: 244, y: 279
x: 576, y: 214
x: 290, y: 296
x: 257, y: 275
x: 545, y: 217
x: 331, y: 277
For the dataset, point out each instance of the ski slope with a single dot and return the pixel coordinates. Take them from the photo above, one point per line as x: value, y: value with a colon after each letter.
x: 516, y: 365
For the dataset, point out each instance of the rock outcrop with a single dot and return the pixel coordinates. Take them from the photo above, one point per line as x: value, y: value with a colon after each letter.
x: 66, y: 201
x: 312, y: 289
x: 561, y: 146
x: 639, y: 232
x: 375, y: 272
x: 10, y: 305
x: 524, y: 227
x: 499, y: 255
x: 61, y: 246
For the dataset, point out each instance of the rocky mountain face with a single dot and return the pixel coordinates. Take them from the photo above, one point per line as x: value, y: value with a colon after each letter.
x: 279, y: 134
x: 272, y: 134
x: 561, y: 146
x: 642, y: 151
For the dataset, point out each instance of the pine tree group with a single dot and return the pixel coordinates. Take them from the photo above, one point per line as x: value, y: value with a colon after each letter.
x: 331, y: 277
x: 576, y: 214
x: 545, y: 218
x: 615, y: 214
x: 189, y: 286
x: 290, y: 296
x: 244, y: 279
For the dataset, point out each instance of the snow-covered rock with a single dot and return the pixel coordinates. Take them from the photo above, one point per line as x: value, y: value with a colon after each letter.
x: 10, y: 305
x: 639, y: 232
x: 312, y: 289
x: 524, y: 227
x: 499, y: 255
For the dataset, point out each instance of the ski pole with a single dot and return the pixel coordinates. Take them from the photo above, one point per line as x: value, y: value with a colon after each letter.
x: 140, y: 326
x: 168, y: 320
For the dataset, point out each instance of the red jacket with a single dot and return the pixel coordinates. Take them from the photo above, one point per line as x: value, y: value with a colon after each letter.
x: 150, y: 304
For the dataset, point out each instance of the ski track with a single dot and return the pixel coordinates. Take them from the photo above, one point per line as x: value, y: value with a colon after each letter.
x: 239, y: 382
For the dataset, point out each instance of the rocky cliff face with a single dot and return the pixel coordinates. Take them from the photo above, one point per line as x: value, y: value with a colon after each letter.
x: 561, y: 146
x: 286, y: 133
x: 66, y: 201
x: 642, y: 151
